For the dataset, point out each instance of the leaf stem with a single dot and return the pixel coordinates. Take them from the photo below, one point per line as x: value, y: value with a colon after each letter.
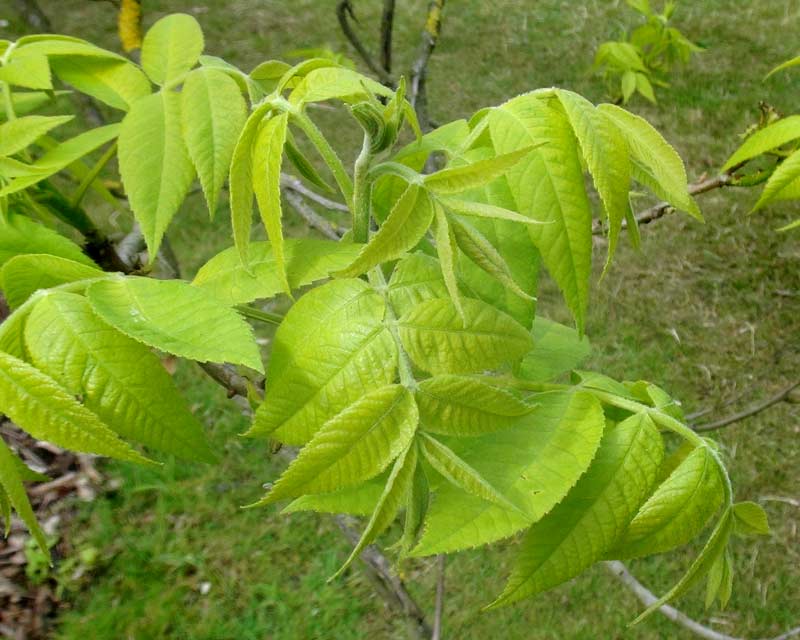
x: 257, y: 314
x: 378, y: 281
x: 90, y: 177
x: 361, y: 193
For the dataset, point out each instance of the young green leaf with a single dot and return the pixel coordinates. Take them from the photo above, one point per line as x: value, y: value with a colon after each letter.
x: 534, y: 463
x: 720, y: 580
x: 307, y: 260
x: 267, y: 156
x: 21, y: 276
x: 605, y: 153
x: 358, y: 501
x: 678, y: 510
x: 13, y: 491
x: 154, y: 163
x: 173, y: 316
x: 477, y: 174
x: 115, y: 82
x: 416, y: 278
x: 63, y: 155
x: 213, y: 113
x: 417, y: 502
x: 171, y: 47
x: 331, y: 348
x: 770, y: 137
x: 397, y: 488
x: 557, y: 349
x: 654, y: 162
x: 749, y: 518
x: 548, y: 185
x: 403, y: 229
x: 303, y: 164
x: 241, y: 182
x: 439, y: 340
x: 447, y: 250
x: 466, y: 406
x: 30, y: 71
x: 352, y: 447
x: 715, y: 546
x: 16, y: 135
x: 332, y: 82
x: 119, y: 379
x: 783, y: 176
x: 459, y: 473
x: 20, y: 235
x: 483, y: 210
x: 477, y: 248
x: 590, y: 520
x: 38, y: 405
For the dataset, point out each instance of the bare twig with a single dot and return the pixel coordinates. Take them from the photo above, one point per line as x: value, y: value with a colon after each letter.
x: 310, y: 216
x: 290, y: 182
x: 386, y: 580
x: 646, y: 597
x: 781, y: 396
x: 437, y: 616
x: 344, y: 12
x: 417, y: 93
x: 387, y: 26
x: 226, y: 376
x: 663, y: 208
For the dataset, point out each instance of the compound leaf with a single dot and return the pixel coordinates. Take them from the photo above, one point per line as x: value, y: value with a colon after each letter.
x: 171, y: 47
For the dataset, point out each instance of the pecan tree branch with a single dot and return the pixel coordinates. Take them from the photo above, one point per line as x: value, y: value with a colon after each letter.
x: 312, y: 218
x: 646, y: 597
x: 344, y: 13
x: 663, y: 208
x: 290, y: 182
x: 387, y: 26
x: 439, y: 608
x: 781, y: 396
x: 417, y: 93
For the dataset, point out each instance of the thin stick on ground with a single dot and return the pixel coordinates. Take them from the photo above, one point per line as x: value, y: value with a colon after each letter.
x: 781, y: 396
x: 646, y: 597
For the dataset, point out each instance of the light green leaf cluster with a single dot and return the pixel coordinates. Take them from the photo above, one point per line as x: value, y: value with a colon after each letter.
x: 779, y: 143
x: 417, y: 380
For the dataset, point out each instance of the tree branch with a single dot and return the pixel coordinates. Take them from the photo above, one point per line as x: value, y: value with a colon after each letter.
x: 344, y: 12
x: 290, y: 182
x: 437, y: 617
x: 310, y: 216
x: 663, y: 208
x: 387, y: 26
x: 781, y: 396
x: 417, y: 93
x: 646, y: 597
x: 391, y: 586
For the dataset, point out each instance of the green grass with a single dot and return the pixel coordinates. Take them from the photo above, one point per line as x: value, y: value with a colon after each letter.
x: 711, y: 312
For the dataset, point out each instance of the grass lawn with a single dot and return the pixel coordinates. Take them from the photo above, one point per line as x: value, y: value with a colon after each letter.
x: 711, y: 312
